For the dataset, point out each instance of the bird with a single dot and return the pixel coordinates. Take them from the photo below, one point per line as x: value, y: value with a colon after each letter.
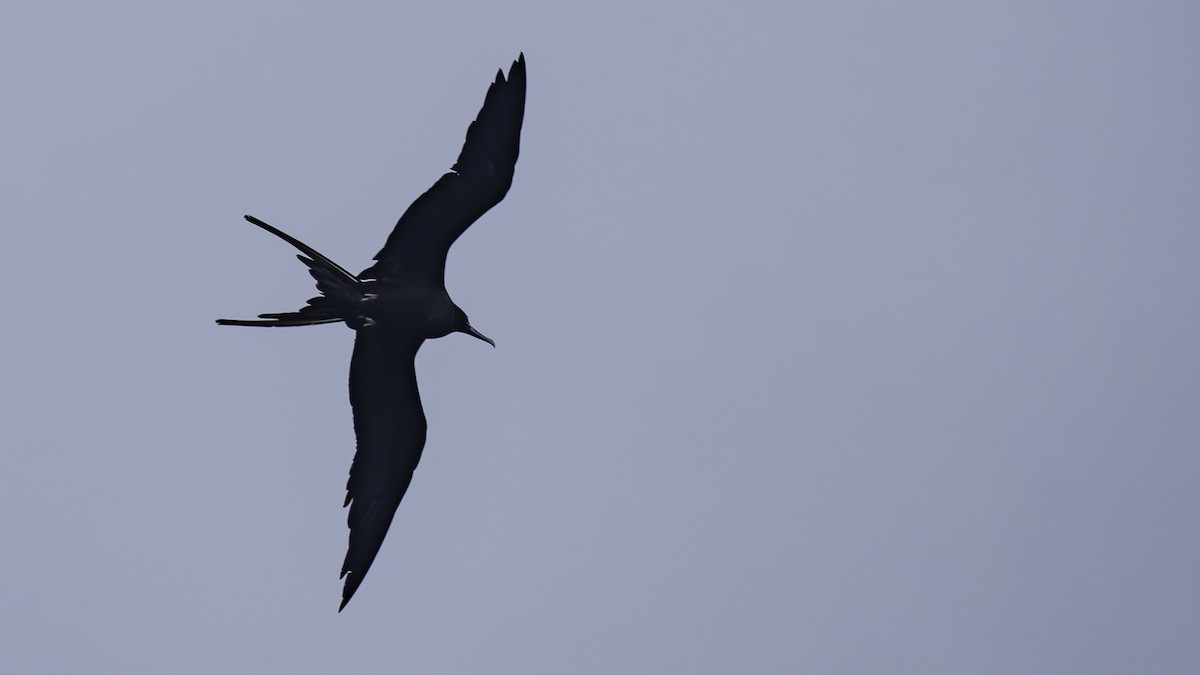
x: 397, y: 303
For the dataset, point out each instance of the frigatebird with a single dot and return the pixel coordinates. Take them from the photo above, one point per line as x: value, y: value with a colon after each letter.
x: 395, y: 305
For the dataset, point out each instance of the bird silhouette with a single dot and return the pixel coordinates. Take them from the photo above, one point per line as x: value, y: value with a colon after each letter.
x: 394, y: 306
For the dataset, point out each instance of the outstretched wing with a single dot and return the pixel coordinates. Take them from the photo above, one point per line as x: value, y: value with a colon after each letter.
x: 390, y: 426
x: 416, y: 250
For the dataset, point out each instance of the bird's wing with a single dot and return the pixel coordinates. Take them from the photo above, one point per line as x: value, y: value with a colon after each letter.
x: 417, y: 247
x: 390, y: 426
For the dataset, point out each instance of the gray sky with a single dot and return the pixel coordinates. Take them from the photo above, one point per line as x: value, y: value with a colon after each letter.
x: 833, y: 337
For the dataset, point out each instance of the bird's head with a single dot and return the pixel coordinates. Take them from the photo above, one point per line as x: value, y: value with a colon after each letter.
x: 462, y: 325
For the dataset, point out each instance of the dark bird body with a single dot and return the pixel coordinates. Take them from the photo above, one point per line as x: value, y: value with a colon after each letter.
x: 395, y: 305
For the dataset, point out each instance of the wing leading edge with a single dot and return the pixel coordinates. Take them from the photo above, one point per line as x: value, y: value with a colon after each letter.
x: 389, y: 424
x: 417, y: 247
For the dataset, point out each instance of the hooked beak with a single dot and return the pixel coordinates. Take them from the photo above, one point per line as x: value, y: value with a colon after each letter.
x: 476, y: 334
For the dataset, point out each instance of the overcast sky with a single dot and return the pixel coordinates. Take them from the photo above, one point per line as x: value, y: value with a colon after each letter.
x: 832, y: 337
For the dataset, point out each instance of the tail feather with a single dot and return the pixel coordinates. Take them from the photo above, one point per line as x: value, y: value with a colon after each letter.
x: 280, y: 320
x: 304, y: 248
x: 340, y: 290
x: 331, y: 283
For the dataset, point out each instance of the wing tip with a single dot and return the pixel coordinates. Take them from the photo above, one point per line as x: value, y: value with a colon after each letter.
x: 516, y: 69
x: 348, y: 589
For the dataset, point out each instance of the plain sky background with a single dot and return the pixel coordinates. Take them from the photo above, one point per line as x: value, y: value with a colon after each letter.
x: 833, y: 337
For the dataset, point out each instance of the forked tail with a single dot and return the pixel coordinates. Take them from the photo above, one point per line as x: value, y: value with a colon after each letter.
x: 340, y: 290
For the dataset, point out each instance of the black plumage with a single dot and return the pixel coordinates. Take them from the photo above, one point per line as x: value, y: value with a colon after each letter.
x: 395, y: 305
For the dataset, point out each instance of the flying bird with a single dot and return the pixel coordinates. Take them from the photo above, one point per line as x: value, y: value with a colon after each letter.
x: 395, y: 305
